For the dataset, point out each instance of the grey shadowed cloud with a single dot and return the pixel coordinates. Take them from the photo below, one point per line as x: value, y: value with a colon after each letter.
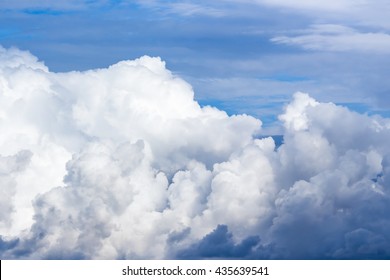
x: 123, y: 163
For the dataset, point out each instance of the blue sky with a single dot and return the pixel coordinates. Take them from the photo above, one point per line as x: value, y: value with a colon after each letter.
x: 239, y: 55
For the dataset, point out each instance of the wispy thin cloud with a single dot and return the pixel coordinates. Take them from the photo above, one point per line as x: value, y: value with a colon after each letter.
x: 338, y: 38
x: 185, y: 8
x: 332, y: 5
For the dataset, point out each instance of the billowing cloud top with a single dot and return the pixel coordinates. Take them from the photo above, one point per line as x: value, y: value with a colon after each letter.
x: 122, y: 163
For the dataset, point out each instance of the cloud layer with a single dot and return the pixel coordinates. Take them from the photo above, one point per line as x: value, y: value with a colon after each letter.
x: 122, y: 163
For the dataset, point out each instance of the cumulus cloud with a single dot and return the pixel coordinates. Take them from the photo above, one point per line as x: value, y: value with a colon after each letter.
x: 122, y: 163
x: 9, y: 167
x: 133, y: 112
x: 219, y: 244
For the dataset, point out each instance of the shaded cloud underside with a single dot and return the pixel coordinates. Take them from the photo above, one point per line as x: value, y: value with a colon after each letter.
x: 121, y: 162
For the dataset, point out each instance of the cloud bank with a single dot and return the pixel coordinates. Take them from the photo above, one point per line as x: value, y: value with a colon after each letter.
x: 122, y: 163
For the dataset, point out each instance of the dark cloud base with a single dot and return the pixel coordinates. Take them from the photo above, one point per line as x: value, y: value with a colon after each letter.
x: 219, y: 244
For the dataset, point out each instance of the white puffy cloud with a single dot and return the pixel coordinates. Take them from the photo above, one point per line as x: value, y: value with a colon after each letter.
x: 123, y: 163
x: 9, y: 167
x: 129, y: 111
